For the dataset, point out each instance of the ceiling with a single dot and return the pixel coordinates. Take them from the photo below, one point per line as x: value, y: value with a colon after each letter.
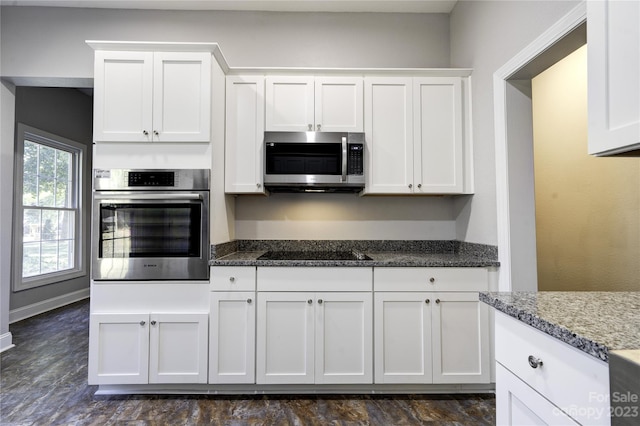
x: 398, y: 6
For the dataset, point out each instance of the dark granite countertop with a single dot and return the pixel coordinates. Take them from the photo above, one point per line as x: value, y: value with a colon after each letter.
x: 594, y: 322
x: 378, y: 259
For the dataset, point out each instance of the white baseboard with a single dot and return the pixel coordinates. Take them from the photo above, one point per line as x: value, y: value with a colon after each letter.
x: 46, y: 305
x: 6, y: 342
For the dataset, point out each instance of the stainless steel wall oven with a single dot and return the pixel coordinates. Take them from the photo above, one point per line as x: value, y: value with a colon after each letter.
x: 150, y: 225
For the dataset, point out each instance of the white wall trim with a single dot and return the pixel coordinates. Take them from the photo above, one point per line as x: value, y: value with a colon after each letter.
x: 47, y: 305
x: 565, y: 25
x: 6, y: 342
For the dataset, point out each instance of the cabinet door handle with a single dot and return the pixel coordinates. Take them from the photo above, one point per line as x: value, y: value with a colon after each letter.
x: 410, y: 185
x: 310, y: 127
x: 427, y: 301
x: 310, y: 301
x: 419, y: 185
x: 142, y: 323
x: 155, y: 132
x: 534, y: 362
x: 319, y: 301
x: 249, y: 300
x: 258, y: 185
x: 318, y: 127
x: 438, y: 301
x: 144, y: 132
x: 153, y: 322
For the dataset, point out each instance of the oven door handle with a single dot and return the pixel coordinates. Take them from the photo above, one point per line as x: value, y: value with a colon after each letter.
x: 142, y: 197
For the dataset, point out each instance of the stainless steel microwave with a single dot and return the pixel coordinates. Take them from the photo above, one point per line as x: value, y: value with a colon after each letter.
x: 313, y: 161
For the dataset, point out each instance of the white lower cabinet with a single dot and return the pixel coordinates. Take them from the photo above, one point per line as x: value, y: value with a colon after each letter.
x: 541, y: 380
x: 141, y: 348
x: 232, y: 335
x: 431, y: 337
x: 321, y: 338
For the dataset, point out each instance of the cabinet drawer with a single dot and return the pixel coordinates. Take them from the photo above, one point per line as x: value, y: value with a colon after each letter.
x: 430, y: 279
x: 233, y: 278
x: 572, y: 380
x: 314, y: 279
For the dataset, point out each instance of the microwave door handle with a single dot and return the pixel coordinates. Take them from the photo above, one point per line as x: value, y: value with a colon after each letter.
x: 344, y: 159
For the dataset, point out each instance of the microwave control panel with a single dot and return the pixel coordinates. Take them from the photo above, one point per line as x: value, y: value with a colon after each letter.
x: 355, y: 160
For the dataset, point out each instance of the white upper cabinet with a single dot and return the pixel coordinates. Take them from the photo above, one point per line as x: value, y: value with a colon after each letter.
x: 613, y: 47
x: 438, y: 144
x: 152, y: 96
x: 415, y: 135
x: 305, y: 103
x: 245, y: 135
x: 389, y: 135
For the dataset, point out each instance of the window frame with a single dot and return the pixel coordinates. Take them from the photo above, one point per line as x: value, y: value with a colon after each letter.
x: 78, y: 151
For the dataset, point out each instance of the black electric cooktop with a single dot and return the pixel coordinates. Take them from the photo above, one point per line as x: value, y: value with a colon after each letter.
x: 313, y: 255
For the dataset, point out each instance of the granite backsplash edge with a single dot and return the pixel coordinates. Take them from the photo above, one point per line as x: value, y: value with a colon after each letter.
x: 410, y: 246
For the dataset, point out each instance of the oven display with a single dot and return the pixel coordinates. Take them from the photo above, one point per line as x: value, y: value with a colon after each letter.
x: 151, y: 178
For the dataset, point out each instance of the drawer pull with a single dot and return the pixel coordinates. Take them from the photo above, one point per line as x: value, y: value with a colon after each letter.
x: 438, y: 301
x: 232, y: 279
x: 427, y: 301
x: 249, y: 300
x: 309, y: 301
x: 432, y: 280
x: 535, y: 362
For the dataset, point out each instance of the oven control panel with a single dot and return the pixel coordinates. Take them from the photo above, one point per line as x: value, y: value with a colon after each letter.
x: 152, y: 178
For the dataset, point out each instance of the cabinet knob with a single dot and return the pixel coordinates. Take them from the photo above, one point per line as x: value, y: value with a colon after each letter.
x: 534, y: 362
x: 427, y: 301
x: 258, y: 185
x: 310, y: 127
x: 155, y: 132
x: 419, y: 185
x: 437, y: 300
x: 142, y: 323
x: 249, y: 300
x: 318, y: 127
x: 153, y: 322
x: 410, y: 185
x: 144, y: 132
x: 232, y: 279
x: 309, y: 301
x: 432, y: 280
x: 319, y: 301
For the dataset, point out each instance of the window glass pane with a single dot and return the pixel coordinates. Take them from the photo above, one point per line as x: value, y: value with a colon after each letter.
x: 49, y: 225
x: 46, y: 186
x: 65, y: 255
x: 66, y: 224
x: 31, y: 225
x: 30, y: 259
x: 30, y: 174
x: 63, y: 179
x: 49, y: 257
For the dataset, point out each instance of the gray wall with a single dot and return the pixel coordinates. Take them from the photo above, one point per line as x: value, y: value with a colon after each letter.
x: 67, y: 113
x: 485, y: 35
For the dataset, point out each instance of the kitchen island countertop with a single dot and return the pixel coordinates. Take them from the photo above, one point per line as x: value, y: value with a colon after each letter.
x: 594, y: 322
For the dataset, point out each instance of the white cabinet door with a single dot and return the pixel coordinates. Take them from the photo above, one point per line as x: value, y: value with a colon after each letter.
x: 344, y: 338
x: 614, y: 66
x: 285, y: 338
x: 402, y: 325
x: 289, y: 103
x: 245, y: 135
x: 119, y: 349
x: 460, y: 339
x: 182, y: 96
x: 232, y: 337
x: 388, y: 111
x: 178, y: 345
x: 152, y: 96
x: 517, y: 404
x: 339, y: 105
x: 123, y: 96
x: 438, y: 157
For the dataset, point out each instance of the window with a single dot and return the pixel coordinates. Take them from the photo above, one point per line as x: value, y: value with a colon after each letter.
x: 48, y: 209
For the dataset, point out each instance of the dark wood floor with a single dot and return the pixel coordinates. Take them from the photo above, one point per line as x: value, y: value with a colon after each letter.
x: 44, y: 382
